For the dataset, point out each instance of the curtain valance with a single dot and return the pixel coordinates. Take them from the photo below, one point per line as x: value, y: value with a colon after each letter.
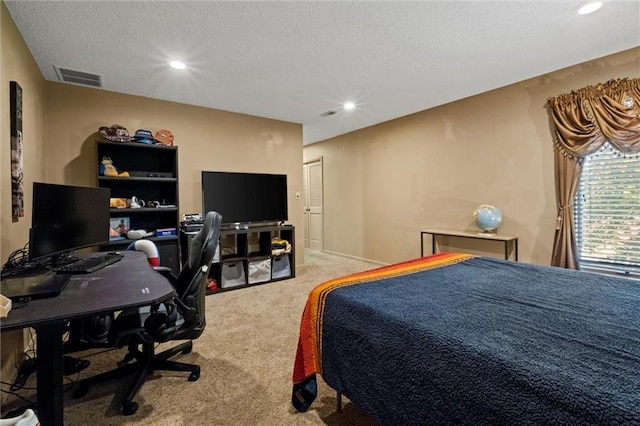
x: 586, y: 118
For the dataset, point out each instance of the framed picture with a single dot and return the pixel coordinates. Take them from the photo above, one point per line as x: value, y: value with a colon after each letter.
x: 118, y: 228
x: 17, y: 185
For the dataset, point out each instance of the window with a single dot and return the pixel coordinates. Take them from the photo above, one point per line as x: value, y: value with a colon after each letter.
x: 607, y: 209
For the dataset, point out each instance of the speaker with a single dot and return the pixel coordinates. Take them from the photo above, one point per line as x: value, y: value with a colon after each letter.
x: 169, y: 254
x: 91, y: 330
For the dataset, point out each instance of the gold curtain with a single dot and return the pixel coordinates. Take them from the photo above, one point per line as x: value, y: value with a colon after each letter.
x: 583, y: 121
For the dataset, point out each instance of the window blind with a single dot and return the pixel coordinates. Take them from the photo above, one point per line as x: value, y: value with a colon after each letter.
x: 607, y: 211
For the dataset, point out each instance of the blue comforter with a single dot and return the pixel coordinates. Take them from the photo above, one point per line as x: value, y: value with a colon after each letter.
x: 487, y: 341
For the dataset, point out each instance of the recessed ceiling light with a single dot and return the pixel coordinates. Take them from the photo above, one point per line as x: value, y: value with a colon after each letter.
x: 178, y: 65
x: 349, y: 105
x: 590, y: 8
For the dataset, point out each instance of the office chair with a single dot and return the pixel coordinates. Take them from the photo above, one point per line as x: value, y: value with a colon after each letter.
x: 180, y: 318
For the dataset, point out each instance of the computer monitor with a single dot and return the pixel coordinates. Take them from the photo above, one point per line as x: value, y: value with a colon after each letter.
x: 66, y: 218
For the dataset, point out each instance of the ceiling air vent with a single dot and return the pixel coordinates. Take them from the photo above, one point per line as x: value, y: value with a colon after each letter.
x: 78, y: 77
x: 328, y: 113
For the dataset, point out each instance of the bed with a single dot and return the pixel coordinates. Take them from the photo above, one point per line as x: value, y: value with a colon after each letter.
x: 459, y: 339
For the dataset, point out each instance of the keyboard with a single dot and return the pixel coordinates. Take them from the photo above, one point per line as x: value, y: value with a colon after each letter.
x: 89, y: 264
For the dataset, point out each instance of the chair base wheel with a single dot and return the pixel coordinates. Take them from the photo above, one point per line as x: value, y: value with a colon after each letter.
x: 194, y: 375
x: 80, y: 391
x: 129, y: 408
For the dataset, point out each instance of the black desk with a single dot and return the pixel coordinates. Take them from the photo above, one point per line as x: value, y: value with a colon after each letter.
x: 128, y: 283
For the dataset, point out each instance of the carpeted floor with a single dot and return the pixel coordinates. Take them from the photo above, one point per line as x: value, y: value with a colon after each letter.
x: 246, y: 354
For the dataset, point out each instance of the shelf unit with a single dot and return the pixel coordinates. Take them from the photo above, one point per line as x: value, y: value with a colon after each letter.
x: 153, y: 176
x: 245, y: 257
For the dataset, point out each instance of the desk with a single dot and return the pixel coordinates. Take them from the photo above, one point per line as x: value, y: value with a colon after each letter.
x: 505, y: 239
x: 128, y: 283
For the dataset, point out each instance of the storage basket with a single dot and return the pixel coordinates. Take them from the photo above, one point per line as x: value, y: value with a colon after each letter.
x: 259, y: 270
x: 232, y: 274
x: 281, y: 268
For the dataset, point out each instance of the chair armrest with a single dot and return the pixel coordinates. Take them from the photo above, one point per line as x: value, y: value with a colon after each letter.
x: 163, y: 269
x: 167, y: 273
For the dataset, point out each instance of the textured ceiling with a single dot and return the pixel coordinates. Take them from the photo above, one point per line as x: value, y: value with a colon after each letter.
x: 294, y: 61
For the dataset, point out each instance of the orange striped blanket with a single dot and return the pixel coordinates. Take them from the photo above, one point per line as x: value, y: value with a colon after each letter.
x: 308, y: 361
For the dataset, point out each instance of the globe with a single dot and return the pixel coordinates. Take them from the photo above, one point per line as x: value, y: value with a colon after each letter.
x: 487, y: 217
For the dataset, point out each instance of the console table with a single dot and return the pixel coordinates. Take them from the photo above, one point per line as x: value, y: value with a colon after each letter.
x: 505, y: 239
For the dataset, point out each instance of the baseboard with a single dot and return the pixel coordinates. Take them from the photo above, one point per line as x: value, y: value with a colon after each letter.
x: 335, y: 253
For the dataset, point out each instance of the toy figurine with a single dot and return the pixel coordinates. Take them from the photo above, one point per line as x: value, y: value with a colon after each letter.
x: 108, y: 169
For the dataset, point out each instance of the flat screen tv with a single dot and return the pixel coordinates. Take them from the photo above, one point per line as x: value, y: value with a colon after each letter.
x: 245, y: 197
x: 66, y: 218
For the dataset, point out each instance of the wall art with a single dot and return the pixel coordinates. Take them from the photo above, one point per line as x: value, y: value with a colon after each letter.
x: 17, y: 170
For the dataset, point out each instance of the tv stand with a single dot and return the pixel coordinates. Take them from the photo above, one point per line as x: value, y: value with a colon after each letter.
x: 246, y: 257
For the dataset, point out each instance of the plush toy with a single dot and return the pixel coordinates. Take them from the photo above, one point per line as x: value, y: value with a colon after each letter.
x: 108, y: 169
x: 149, y: 248
x: 118, y: 203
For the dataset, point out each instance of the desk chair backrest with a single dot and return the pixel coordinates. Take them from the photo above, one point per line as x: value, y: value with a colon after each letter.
x: 191, y: 286
x: 201, y: 251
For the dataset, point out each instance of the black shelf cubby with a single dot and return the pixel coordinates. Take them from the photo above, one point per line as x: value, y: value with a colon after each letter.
x: 247, y: 259
x: 153, y: 178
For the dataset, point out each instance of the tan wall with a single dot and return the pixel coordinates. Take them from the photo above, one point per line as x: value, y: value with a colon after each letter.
x: 207, y: 139
x: 18, y: 65
x: 431, y: 169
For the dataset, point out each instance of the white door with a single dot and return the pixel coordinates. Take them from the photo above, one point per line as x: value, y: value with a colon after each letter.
x: 313, y: 229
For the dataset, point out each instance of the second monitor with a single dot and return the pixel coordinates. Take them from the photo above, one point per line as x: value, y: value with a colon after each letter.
x: 66, y: 218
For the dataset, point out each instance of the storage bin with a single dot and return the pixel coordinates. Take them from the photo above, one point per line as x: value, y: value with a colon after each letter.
x: 232, y: 274
x: 281, y: 267
x: 5, y: 306
x: 259, y: 270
